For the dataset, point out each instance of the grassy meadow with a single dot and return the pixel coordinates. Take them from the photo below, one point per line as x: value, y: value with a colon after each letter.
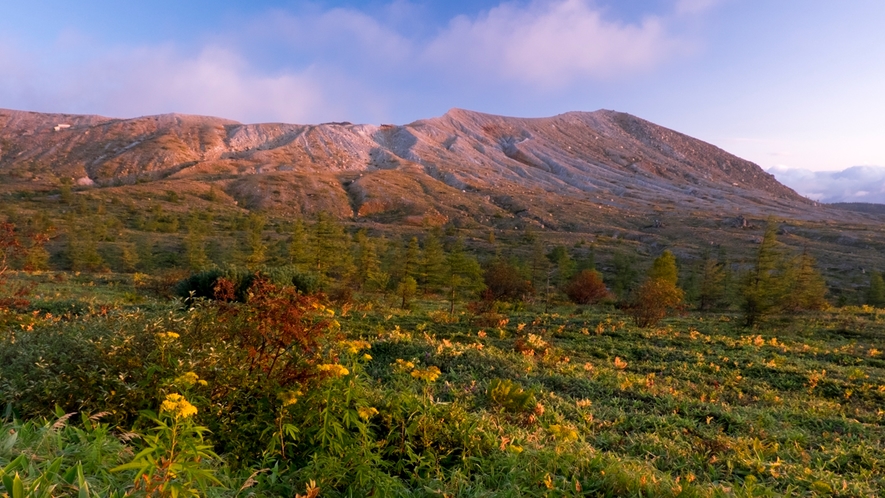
x: 109, y: 388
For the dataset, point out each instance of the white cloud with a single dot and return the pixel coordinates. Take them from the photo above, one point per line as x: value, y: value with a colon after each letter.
x: 342, y: 63
x: 855, y: 184
x: 551, y: 44
x: 151, y: 80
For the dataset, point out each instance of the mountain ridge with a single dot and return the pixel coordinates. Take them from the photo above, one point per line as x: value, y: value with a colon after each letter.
x: 463, y: 164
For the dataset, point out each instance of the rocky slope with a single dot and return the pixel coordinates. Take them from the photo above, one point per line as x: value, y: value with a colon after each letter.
x: 463, y: 165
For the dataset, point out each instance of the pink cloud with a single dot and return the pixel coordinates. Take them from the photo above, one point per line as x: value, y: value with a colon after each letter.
x: 553, y: 44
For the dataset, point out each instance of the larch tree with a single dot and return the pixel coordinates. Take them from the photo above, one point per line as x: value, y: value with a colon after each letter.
x: 711, y: 291
x: 257, y: 248
x: 433, y: 265
x: 876, y: 290
x: 763, y: 289
x: 298, y: 249
x: 658, y: 296
x: 463, y: 275
x: 807, y: 290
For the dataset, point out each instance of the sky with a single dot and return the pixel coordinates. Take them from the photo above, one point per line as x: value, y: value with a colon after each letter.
x: 796, y: 86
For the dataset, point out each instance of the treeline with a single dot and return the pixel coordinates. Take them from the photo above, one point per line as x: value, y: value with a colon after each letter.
x: 96, y: 235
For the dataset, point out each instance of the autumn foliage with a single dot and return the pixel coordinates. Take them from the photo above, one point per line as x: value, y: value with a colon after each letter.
x: 586, y: 288
x: 279, y: 329
x: 654, y: 300
x: 659, y: 295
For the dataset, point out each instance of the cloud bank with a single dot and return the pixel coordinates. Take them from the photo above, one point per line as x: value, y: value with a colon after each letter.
x: 345, y: 64
x: 855, y: 184
x: 551, y: 44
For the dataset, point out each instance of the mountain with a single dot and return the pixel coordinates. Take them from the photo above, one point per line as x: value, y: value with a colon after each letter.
x: 592, y: 174
x: 461, y: 165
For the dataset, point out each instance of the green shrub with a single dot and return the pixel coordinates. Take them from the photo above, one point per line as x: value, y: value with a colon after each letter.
x: 202, y: 284
x: 510, y: 396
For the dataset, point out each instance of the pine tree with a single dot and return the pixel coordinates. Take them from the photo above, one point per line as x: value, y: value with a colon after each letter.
x: 330, y: 245
x: 588, y: 262
x: 664, y: 268
x: 433, y: 265
x: 257, y: 248
x: 625, y: 274
x: 406, y: 290
x: 564, y: 264
x: 807, y: 290
x: 658, y: 296
x: 195, y: 245
x: 763, y: 288
x: 711, y: 286
x: 463, y: 275
x: 298, y: 249
x: 82, y: 252
x: 128, y: 257
x: 412, y: 259
x: 368, y: 266
x: 876, y: 291
x: 539, y: 263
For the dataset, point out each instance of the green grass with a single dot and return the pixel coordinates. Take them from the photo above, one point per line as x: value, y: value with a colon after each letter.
x: 699, y: 406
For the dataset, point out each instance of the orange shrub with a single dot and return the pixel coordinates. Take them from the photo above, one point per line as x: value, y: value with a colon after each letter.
x: 586, y: 288
x: 654, y: 300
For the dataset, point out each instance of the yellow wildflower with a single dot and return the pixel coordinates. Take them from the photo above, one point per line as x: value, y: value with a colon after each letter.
x: 288, y: 397
x: 367, y: 357
x: 429, y: 374
x: 367, y: 413
x: 167, y: 336
x: 563, y: 433
x: 188, y: 379
x: 334, y: 369
x: 354, y: 347
x: 177, y: 406
x: 402, y: 366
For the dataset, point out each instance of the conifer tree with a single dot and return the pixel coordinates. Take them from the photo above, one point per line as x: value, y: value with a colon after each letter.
x: 128, y: 257
x: 564, y: 264
x: 368, y: 266
x: 625, y: 274
x: 298, y: 249
x: 539, y: 262
x: 779, y: 283
x: 412, y: 259
x: 588, y: 262
x: 330, y: 245
x: 82, y: 252
x: 194, y: 245
x: 807, y: 289
x: 664, y: 268
x: 463, y: 275
x: 257, y: 248
x: 763, y: 288
x: 711, y: 284
x: 433, y: 265
x: 658, y: 296
x: 406, y: 290
x: 876, y: 291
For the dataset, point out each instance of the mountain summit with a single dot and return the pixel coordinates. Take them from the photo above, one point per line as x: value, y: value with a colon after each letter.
x: 554, y: 172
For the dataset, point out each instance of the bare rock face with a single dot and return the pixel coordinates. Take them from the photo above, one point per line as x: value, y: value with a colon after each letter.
x: 559, y: 172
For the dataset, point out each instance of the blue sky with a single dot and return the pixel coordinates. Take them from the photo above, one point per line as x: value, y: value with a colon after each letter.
x: 789, y: 84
